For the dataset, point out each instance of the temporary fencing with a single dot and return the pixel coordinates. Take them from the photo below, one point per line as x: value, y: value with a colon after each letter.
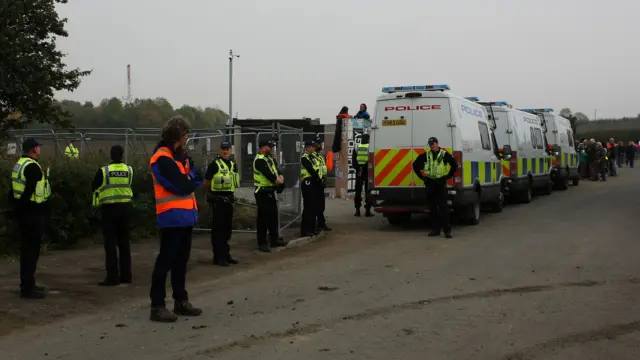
x: 202, y: 146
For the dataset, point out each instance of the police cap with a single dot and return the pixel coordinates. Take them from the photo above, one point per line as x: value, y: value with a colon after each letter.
x: 268, y: 143
x: 309, y: 143
x: 432, y: 140
x: 28, y: 144
x: 225, y: 145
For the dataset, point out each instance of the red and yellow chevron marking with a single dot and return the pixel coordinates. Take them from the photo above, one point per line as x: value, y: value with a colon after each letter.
x: 393, y: 167
x: 506, y: 167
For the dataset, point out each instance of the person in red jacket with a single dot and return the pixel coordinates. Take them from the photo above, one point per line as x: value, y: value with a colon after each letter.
x: 337, y: 138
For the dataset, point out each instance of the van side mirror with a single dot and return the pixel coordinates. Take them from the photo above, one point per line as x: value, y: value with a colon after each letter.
x: 555, y: 150
x: 506, y: 152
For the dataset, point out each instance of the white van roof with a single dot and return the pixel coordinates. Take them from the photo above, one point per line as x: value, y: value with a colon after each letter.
x: 433, y: 91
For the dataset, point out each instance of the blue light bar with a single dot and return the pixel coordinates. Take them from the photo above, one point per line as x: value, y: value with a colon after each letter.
x: 500, y: 103
x: 473, y: 98
x: 390, y: 89
x: 535, y: 111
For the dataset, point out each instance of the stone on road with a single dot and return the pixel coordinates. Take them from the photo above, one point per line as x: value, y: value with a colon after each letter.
x: 555, y: 279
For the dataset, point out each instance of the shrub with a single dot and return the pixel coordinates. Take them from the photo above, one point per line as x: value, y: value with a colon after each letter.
x: 73, y: 219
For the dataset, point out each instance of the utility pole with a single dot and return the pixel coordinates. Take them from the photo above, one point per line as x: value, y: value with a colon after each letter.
x: 231, y: 56
x: 595, y: 112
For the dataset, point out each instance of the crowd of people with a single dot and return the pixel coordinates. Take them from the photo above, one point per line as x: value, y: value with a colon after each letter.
x: 598, y: 160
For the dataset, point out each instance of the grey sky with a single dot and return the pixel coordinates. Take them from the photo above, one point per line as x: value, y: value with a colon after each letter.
x: 308, y: 58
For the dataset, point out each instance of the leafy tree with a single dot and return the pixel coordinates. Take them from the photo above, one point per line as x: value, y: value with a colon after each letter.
x: 566, y: 112
x: 31, y: 66
x: 581, y: 116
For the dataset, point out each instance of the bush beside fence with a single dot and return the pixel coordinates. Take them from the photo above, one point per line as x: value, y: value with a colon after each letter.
x: 73, y: 220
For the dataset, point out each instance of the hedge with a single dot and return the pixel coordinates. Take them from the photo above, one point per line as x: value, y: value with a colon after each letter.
x: 73, y: 220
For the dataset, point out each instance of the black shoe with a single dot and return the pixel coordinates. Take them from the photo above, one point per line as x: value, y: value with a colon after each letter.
x: 448, y: 235
x: 32, y: 294
x: 185, y: 308
x: 357, y: 212
x: 39, y: 288
x: 220, y: 262
x: 264, y: 248
x: 107, y: 282
x: 278, y: 243
x: 434, y: 233
x: 162, y: 314
x: 326, y: 228
x: 368, y: 213
x: 125, y: 280
x: 309, y: 234
x: 232, y: 261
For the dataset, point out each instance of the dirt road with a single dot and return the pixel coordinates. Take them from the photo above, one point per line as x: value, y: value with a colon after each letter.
x: 556, y: 279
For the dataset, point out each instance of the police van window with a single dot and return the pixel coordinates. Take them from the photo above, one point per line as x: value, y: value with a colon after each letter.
x: 570, y: 135
x: 533, y: 138
x: 539, y: 144
x: 484, y: 135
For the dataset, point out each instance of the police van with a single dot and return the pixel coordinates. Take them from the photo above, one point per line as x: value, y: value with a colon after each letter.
x: 564, y: 159
x: 405, y: 118
x: 526, y: 164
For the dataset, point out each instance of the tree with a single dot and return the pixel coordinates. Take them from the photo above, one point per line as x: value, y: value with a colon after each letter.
x: 566, y: 112
x: 31, y: 66
x: 581, y: 116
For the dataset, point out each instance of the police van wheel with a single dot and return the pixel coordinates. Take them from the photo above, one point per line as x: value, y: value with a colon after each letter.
x: 564, y: 183
x: 575, y: 181
x: 548, y: 189
x: 527, y: 195
x: 498, y: 204
x: 398, y: 219
x: 471, y: 213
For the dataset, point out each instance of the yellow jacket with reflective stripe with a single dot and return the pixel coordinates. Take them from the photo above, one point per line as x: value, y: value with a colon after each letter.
x: 116, y: 185
x: 18, y: 181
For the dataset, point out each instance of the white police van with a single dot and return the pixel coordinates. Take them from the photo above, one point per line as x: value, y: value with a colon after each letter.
x: 564, y: 159
x: 526, y: 162
x: 405, y: 118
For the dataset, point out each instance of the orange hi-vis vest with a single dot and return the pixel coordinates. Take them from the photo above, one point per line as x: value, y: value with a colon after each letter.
x: 166, y: 200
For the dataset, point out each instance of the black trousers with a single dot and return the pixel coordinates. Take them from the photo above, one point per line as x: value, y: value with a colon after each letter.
x: 267, y: 218
x: 438, y: 208
x: 320, y: 199
x: 309, y: 207
x: 175, y: 249
x: 31, y: 226
x: 221, y: 228
x: 117, y: 246
x: 362, y: 180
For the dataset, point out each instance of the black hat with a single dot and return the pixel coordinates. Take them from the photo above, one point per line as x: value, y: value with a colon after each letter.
x: 225, y: 145
x: 432, y: 140
x: 309, y: 143
x: 29, y: 144
x: 317, y: 141
x: 268, y: 143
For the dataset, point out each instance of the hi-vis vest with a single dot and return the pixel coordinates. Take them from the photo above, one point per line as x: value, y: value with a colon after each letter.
x: 116, y: 185
x: 72, y: 152
x: 226, y: 179
x: 259, y: 180
x: 314, y: 163
x: 18, y: 182
x: 362, y: 154
x: 436, y: 168
x: 165, y: 199
x: 322, y: 164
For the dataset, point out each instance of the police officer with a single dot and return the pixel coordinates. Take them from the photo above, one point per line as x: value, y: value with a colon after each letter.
x: 267, y: 180
x: 320, y: 197
x: 30, y: 192
x: 434, y: 167
x: 113, y: 194
x: 360, y: 161
x: 71, y: 151
x: 310, y: 182
x: 221, y: 181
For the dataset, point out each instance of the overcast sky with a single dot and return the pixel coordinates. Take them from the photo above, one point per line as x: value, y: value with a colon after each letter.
x: 308, y: 58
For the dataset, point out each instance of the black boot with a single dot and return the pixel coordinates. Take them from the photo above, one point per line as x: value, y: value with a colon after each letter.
x: 162, y: 314
x: 220, y: 262
x: 434, y: 233
x: 231, y: 260
x: 368, y: 213
x: 109, y: 282
x: 185, y: 308
x: 32, y: 294
x: 357, y: 212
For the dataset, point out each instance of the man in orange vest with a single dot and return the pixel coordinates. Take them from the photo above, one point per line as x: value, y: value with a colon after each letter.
x: 174, y: 182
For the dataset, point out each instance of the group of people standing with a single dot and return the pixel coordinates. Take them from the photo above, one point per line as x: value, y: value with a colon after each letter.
x: 313, y: 176
x: 175, y: 180
x: 597, y: 160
